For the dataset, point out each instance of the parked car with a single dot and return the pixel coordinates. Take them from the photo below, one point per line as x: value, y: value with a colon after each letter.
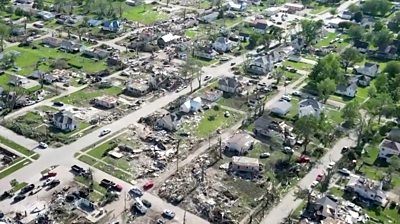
x: 135, y: 191
x: 319, y: 177
x: 160, y: 221
x: 27, y: 188
x: 296, y: 93
x: 19, y: 197
x: 288, y: 150
x: 48, y: 175
x: 43, y: 145
x: 265, y: 155
x: 146, y: 203
x: 286, y: 98
x: 345, y: 149
x: 344, y: 172
x: 149, y: 184
x: 207, y: 77
x: 138, y: 205
x: 58, y: 104
x: 106, y: 183
x: 331, y: 165
x: 77, y: 169
x: 105, y: 132
x: 314, y: 184
x: 168, y: 213
x: 303, y: 159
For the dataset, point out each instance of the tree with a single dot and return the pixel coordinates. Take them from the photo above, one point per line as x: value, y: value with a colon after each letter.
x: 378, y: 26
x: 382, y: 83
x: 327, y: 67
x: 377, y: 105
x: 310, y: 29
x: 394, y: 24
x: 376, y: 7
x: 392, y: 68
x: 358, y: 16
x: 383, y: 38
x: 4, y: 33
x: 326, y: 88
x: 351, y: 112
x: 304, y: 194
x: 190, y: 70
x: 394, y: 164
x: 356, y: 32
x: 305, y: 127
x: 350, y: 56
x: 306, y: 2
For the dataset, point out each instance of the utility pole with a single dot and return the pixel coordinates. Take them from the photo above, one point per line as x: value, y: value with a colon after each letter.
x: 220, y: 146
x: 177, y: 155
x: 184, y: 217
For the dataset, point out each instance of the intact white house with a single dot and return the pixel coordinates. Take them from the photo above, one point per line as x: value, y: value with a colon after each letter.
x: 349, y: 90
x: 65, y: 121
x: 192, y: 105
x: 367, y: 189
x: 222, y: 44
x: 310, y: 107
x: 388, y: 148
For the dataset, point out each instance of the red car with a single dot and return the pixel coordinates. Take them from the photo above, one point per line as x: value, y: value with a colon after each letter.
x: 149, y: 184
x: 49, y: 174
x: 303, y: 159
x: 118, y: 187
x: 319, y: 177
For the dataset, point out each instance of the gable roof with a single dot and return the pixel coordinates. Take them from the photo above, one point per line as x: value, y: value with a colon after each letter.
x: 229, y: 81
x: 390, y: 144
x: 311, y: 102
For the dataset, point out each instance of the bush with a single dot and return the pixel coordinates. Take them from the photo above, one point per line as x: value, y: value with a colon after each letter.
x: 216, y: 107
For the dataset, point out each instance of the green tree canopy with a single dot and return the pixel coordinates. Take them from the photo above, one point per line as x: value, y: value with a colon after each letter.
x: 356, y: 32
x: 351, y: 112
x: 376, y: 7
x: 350, y: 56
x: 327, y: 67
x: 326, y: 88
x: 306, y: 127
x: 310, y: 29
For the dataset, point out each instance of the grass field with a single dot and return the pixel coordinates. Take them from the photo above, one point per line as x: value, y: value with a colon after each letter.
x: 298, y: 65
x: 28, y: 57
x: 83, y: 97
x: 215, y: 119
x: 16, y: 146
x: 143, y: 14
x: 14, y: 168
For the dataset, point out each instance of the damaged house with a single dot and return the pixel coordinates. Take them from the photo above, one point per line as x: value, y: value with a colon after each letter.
x: 239, y: 144
x: 168, y: 122
x: 245, y: 165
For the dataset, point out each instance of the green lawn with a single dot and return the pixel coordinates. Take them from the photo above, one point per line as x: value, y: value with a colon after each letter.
x: 291, y: 76
x: 334, y: 115
x: 336, y: 191
x: 87, y: 159
x: 14, y: 168
x: 387, y: 216
x: 28, y: 57
x: 83, y: 97
x: 99, y: 151
x: 16, y: 146
x: 143, y: 14
x: 19, y: 186
x: 318, y: 8
x: 294, y: 110
x: 298, y: 65
x: 208, y: 125
x: 326, y: 40
x: 114, y: 172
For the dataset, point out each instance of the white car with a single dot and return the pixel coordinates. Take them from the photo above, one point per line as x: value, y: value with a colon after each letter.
x: 105, y: 132
x: 286, y: 98
x: 331, y: 165
x: 168, y: 213
x: 314, y: 183
x: 135, y: 191
x: 296, y: 93
x: 43, y: 145
x: 287, y: 149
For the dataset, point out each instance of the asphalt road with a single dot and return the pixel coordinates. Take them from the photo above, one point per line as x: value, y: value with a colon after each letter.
x: 289, y: 202
x: 64, y: 156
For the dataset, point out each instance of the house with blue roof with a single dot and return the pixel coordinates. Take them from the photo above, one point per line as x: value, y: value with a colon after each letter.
x: 112, y: 26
